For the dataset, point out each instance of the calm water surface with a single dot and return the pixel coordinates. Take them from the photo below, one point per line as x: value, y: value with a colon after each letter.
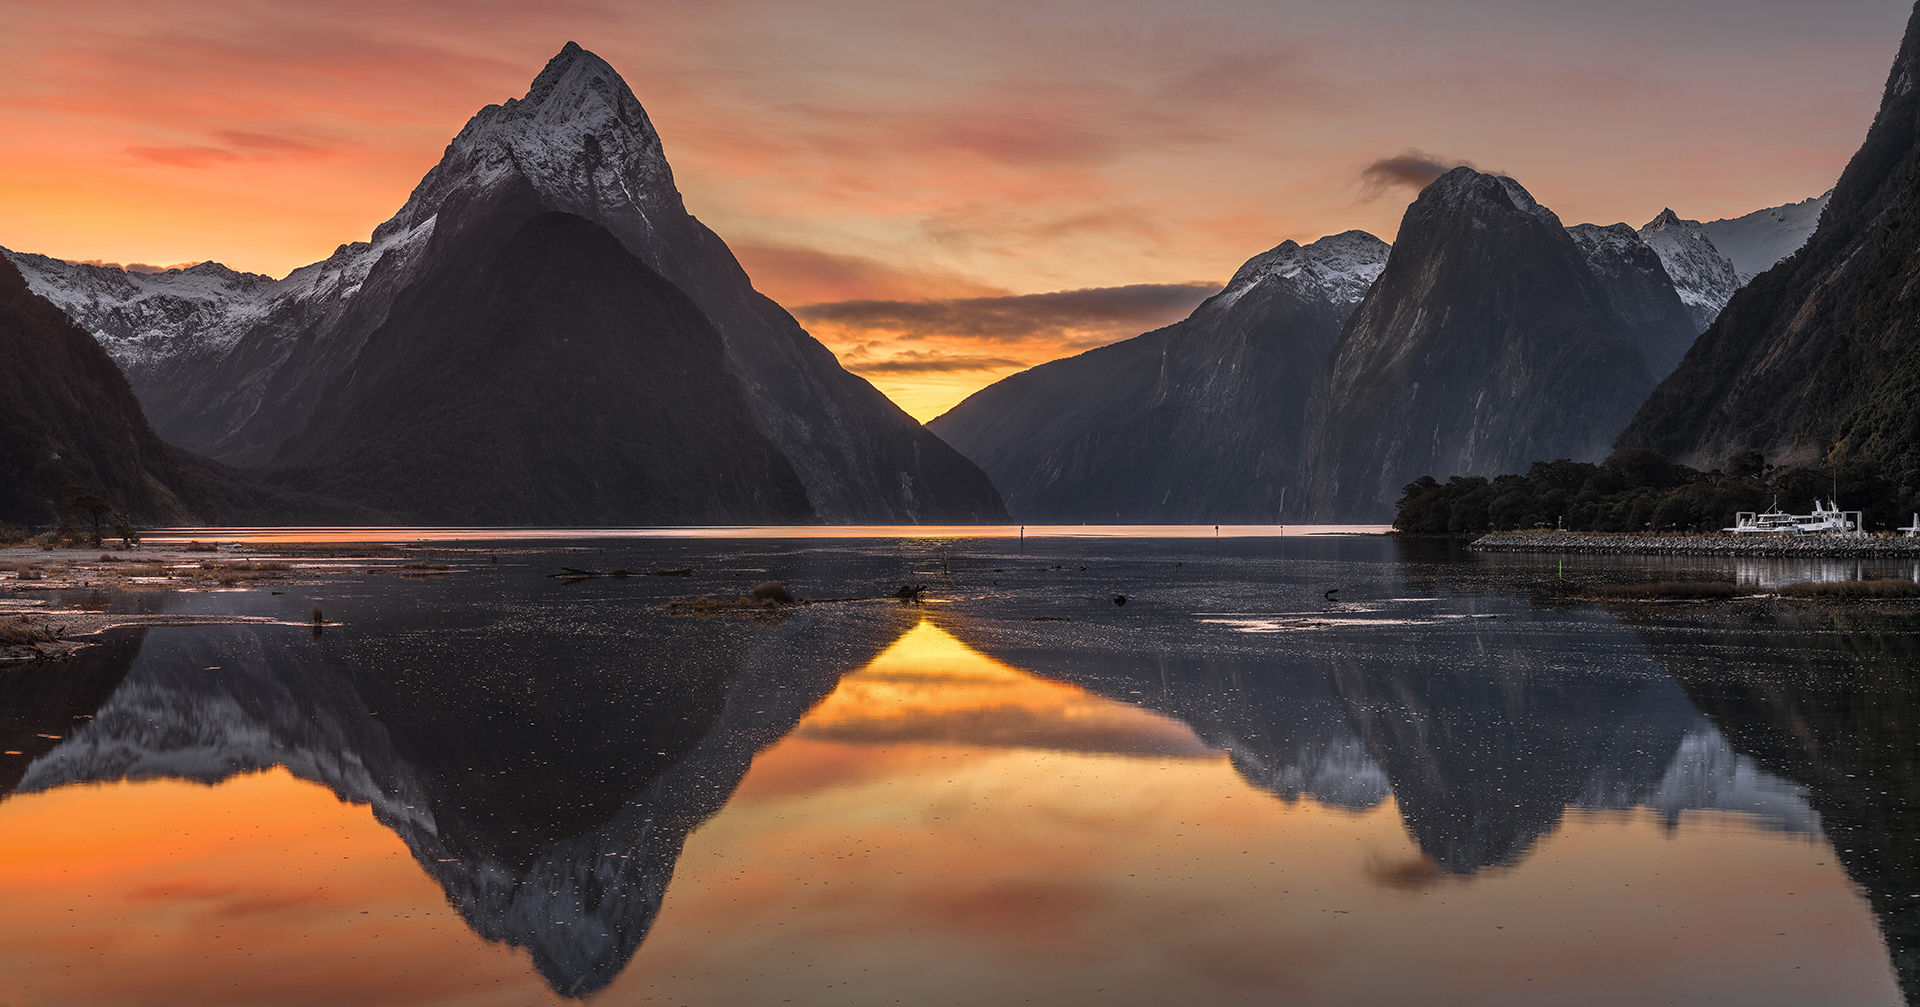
x: 1438, y: 783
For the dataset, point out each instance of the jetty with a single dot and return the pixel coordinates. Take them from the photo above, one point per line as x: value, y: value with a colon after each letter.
x: 1681, y: 544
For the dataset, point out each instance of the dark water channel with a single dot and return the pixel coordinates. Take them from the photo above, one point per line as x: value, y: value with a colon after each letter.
x: 1334, y: 770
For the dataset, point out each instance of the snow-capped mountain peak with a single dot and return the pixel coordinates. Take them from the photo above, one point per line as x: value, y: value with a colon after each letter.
x: 1702, y: 276
x: 579, y: 136
x: 1341, y: 267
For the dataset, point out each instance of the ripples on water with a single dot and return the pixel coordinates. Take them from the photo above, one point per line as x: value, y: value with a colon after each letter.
x: 1446, y: 787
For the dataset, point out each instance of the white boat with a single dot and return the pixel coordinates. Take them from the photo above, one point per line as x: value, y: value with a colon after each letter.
x: 1911, y: 530
x: 1826, y: 519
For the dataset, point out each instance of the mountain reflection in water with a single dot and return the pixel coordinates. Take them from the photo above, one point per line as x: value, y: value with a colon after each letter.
x: 544, y: 762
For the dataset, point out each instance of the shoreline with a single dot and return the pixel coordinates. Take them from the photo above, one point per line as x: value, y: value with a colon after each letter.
x: 1756, y: 546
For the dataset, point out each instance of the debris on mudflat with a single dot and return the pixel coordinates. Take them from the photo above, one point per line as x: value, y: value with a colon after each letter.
x: 772, y: 591
x: 911, y: 592
x: 575, y: 573
x: 1119, y: 599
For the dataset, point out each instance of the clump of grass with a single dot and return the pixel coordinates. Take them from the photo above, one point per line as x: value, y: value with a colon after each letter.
x: 248, y: 566
x: 107, y: 557
x: 203, y: 547
x: 1686, y: 589
x: 20, y: 631
x: 1849, y: 589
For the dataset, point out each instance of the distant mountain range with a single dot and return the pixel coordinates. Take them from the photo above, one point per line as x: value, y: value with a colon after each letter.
x: 445, y: 372
x: 452, y: 370
x: 1306, y: 390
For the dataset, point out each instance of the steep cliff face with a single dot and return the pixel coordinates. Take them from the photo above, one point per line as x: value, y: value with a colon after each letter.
x: 537, y: 373
x: 1486, y: 344
x: 1641, y: 291
x: 1817, y: 355
x: 1198, y: 422
x: 68, y: 417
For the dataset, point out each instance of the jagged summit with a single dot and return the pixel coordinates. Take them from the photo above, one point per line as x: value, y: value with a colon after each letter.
x: 1702, y: 275
x: 580, y: 136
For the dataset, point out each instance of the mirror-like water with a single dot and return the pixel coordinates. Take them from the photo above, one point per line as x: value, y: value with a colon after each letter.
x: 1317, y: 770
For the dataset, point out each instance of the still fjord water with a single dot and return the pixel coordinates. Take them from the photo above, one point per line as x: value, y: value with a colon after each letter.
x: 1440, y: 785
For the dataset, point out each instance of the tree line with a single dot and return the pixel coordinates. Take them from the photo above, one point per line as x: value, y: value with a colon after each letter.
x: 1638, y: 490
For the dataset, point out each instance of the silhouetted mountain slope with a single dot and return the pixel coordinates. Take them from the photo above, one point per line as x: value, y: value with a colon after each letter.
x: 67, y: 417
x: 1815, y: 355
x: 1198, y: 422
x: 537, y: 373
x: 1486, y: 344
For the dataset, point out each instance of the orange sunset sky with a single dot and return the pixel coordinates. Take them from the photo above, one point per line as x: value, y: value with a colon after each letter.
x: 947, y: 159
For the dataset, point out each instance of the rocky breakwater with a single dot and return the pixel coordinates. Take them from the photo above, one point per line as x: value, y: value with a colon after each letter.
x: 1822, y: 546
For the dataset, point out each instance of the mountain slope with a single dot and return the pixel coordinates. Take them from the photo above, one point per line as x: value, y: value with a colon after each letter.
x: 1640, y: 291
x: 1197, y: 422
x: 230, y: 364
x: 70, y: 418
x: 1486, y: 344
x: 585, y: 145
x: 537, y: 373
x: 1703, y: 277
x: 1755, y: 241
x: 237, y: 372
x: 1817, y: 354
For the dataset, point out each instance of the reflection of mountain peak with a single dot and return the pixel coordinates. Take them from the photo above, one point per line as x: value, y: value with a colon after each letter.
x: 208, y: 704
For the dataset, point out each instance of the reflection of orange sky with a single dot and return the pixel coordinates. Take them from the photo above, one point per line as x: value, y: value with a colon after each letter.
x: 263, y: 891
x: 861, y: 149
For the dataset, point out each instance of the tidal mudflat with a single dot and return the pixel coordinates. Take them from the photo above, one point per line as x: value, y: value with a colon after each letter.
x: 1121, y: 769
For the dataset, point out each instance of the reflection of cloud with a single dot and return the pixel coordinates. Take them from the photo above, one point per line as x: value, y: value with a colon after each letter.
x: 1415, y: 169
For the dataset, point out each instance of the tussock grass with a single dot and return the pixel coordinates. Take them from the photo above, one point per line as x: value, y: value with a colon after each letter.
x: 18, y: 631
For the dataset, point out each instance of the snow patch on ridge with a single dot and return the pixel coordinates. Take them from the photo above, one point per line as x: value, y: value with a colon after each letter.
x: 1340, y: 268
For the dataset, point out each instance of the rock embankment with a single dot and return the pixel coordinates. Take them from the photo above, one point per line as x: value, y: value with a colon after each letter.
x: 1810, y: 546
